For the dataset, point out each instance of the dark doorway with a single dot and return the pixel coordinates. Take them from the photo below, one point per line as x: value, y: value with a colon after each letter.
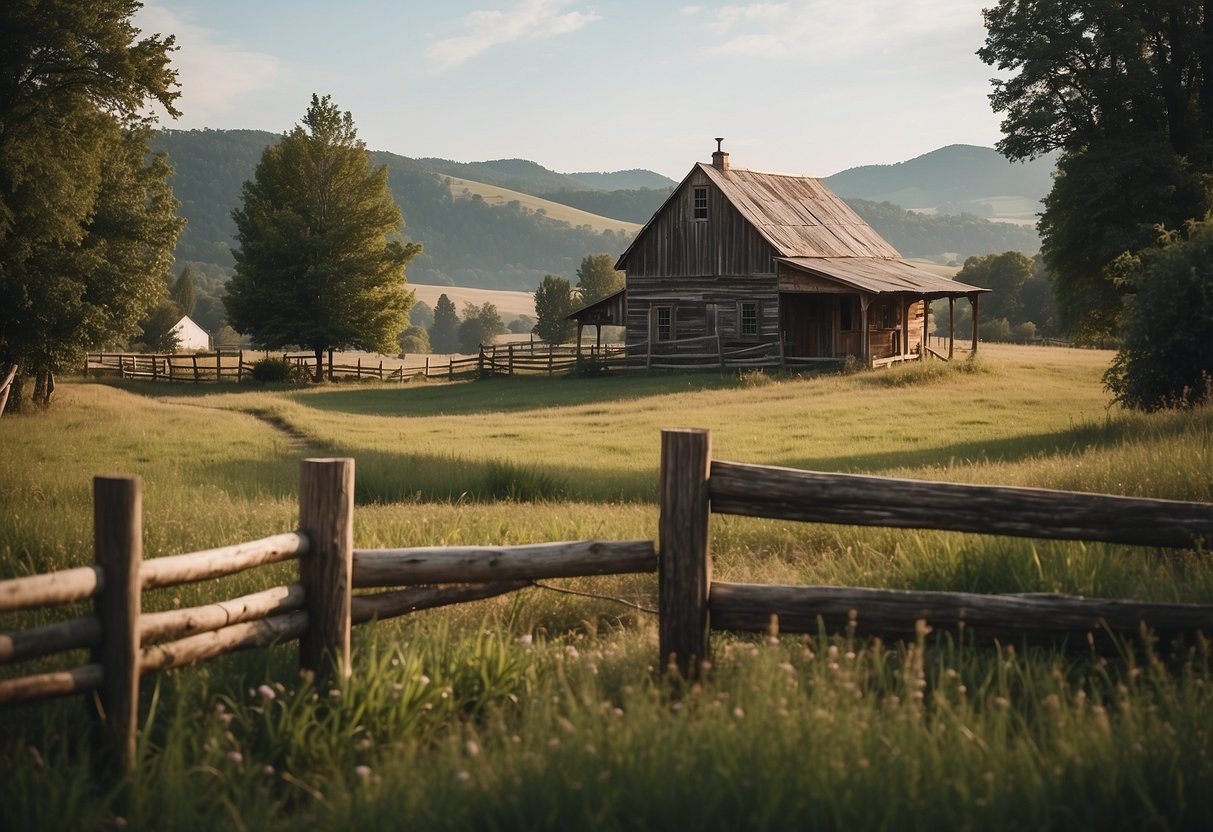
x: 807, y: 321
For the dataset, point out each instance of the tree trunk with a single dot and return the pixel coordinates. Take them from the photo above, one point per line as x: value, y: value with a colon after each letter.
x: 6, y: 386
x: 44, y: 387
x: 319, y: 375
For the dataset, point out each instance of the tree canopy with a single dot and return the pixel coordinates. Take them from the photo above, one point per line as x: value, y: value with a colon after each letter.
x: 553, y: 303
x: 444, y: 331
x: 597, y: 278
x: 1125, y: 91
x: 321, y: 262
x: 480, y: 325
x: 87, y: 221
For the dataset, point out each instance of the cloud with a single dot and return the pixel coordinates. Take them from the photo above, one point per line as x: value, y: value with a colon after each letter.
x: 833, y: 27
x: 213, y: 75
x: 484, y: 29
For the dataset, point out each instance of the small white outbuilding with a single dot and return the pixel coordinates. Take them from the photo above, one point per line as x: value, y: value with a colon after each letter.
x: 190, y: 336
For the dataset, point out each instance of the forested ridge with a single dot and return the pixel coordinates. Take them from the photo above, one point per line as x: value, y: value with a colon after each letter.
x: 470, y: 243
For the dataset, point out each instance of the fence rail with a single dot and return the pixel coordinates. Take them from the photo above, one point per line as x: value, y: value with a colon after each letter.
x: 694, y: 486
x: 319, y: 609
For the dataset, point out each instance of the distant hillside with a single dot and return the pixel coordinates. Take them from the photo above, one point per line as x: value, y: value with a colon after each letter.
x: 552, y: 209
x: 515, y: 174
x: 630, y: 205
x: 467, y: 241
x: 943, y: 237
x: 625, y: 180
x: 952, y: 180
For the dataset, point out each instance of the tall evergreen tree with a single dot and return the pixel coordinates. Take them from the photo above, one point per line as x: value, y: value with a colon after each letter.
x: 444, y: 331
x: 183, y: 293
x: 321, y: 263
x: 87, y: 221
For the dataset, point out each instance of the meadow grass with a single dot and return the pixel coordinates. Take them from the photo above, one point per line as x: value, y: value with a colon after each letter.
x: 543, y: 710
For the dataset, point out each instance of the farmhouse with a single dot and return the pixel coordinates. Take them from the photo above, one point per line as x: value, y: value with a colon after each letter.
x: 190, y: 336
x: 764, y: 263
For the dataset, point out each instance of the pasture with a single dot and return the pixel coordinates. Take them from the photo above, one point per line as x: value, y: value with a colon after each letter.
x: 541, y: 709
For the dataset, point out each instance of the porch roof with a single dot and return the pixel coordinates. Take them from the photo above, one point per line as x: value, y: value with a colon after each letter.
x: 879, y: 275
x: 608, y: 311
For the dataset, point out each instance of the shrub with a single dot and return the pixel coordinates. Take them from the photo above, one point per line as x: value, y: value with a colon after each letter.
x: 1167, y: 356
x: 276, y: 370
x: 996, y: 329
x: 1024, y: 332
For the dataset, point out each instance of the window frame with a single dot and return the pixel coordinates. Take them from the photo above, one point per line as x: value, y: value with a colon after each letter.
x: 699, y: 213
x: 668, y: 309
x: 742, y: 334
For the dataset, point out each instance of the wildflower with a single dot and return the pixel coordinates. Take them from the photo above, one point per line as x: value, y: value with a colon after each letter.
x: 526, y: 639
x: 423, y: 679
x: 119, y: 822
x: 463, y: 777
x: 739, y: 712
x: 268, y: 770
x: 363, y: 772
x: 235, y: 758
x: 334, y: 694
x: 266, y: 692
x: 473, y: 748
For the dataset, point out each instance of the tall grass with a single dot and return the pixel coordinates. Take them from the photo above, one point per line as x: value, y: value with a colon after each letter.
x: 542, y: 710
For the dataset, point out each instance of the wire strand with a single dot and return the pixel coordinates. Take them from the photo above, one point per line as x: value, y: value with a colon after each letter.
x: 578, y: 592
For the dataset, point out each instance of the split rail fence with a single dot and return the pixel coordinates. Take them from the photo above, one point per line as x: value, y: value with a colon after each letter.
x: 320, y: 608
x: 235, y: 365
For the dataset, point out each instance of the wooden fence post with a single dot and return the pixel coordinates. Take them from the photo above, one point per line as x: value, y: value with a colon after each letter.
x: 326, y: 516
x: 118, y: 550
x: 684, y: 561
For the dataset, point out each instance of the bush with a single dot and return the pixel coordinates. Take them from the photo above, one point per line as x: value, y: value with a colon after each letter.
x: 277, y: 370
x: 998, y: 329
x: 1024, y: 332
x: 415, y: 339
x: 1167, y: 356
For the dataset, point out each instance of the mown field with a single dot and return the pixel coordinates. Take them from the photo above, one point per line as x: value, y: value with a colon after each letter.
x: 541, y: 710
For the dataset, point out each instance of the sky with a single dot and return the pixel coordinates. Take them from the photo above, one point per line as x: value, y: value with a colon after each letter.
x: 806, y: 87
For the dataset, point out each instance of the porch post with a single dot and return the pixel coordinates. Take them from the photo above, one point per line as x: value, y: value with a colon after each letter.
x: 865, y: 342
x: 579, y: 340
x: 926, y: 317
x: 951, y: 325
x: 974, y: 298
x: 905, y: 328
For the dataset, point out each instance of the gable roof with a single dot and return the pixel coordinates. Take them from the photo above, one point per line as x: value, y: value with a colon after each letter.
x: 798, y: 215
x: 812, y: 229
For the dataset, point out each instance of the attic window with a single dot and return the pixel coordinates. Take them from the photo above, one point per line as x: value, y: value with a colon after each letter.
x: 700, y: 203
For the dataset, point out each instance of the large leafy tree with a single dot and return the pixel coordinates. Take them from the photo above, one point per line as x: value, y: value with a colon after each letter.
x: 87, y: 221
x: 1005, y: 274
x: 597, y: 278
x: 479, y: 326
x: 1125, y: 92
x: 553, y: 303
x: 321, y: 261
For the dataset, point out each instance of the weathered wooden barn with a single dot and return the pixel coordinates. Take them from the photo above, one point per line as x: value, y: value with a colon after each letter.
x: 768, y: 259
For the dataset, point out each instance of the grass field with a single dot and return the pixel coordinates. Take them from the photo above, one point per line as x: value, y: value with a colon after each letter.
x: 494, y: 195
x: 540, y: 710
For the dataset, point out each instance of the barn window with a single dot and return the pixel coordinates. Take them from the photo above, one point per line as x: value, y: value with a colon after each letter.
x: 710, y: 313
x: 665, y: 323
x: 700, y: 203
x: 886, y: 315
x: 747, y: 319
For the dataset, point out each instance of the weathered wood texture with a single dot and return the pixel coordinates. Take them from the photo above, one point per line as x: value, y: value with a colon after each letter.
x: 893, y: 614
x: 228, y: 560
x: 48, y: 685
x: 326, y: 517
x: 445, y: 564
x: 118, y: 550
x: 50, y: 638
x: 787, y: 494
x: 62, y: 587
x: 194, y: 620
x: 685, y: 570
x: 384, y: 605
x: 260, y: 633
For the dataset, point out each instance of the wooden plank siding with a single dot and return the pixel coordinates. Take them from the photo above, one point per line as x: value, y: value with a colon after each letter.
x: 689, y: 299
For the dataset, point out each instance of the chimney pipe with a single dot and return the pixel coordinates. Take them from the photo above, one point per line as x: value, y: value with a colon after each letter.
x: 720, y: 159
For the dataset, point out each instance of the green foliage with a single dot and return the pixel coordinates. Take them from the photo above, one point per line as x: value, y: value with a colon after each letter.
x: 320, y: 263
x: 444, y: 331
x: 225, y: 336
x: 414, y: 340
x: 994, y: 329
x: 157, y: 334
x: 276, y: 370
x: 1023, y: 333
x: 1111, y: 198
x: 86, y: 219
x: 1005, y: 274
x: 183, y: 293
x: 480, y: 325
x: 597, y: 278
x: 1167, y: 356
x: 521, y: 325
x: 637, y: 205
x: 1121, y: 88
x: 421, y: 314
x: 553, y: 303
